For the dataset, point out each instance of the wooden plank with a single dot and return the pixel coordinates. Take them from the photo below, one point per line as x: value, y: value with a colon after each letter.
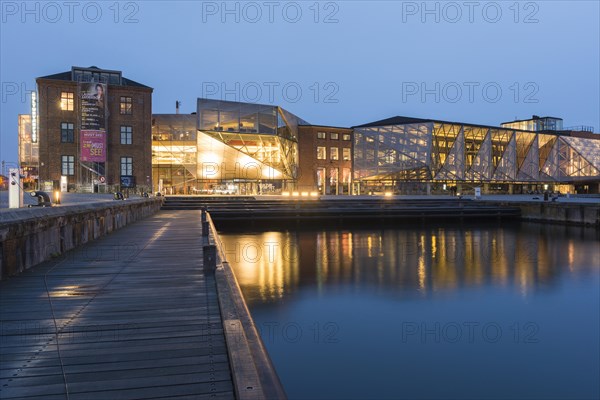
x: 136, y: 318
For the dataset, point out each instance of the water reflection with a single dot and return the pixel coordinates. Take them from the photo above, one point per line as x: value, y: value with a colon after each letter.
x: 417, y: 260
x: 366, y: 313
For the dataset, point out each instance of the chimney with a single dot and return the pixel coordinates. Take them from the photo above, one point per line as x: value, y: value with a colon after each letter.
x: 177, y: 107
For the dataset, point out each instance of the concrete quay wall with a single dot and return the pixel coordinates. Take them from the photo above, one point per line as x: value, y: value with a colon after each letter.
x: 33, y: 235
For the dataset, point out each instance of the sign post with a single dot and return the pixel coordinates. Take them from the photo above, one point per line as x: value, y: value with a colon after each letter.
x: 15, y: 190
x: 64, y: 187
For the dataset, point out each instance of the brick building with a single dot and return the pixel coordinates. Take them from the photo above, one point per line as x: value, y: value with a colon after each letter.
x: 325, y: 157
x: 95, y: 142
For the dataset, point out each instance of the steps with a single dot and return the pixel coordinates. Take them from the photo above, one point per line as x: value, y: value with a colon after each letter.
x: 282, y: 211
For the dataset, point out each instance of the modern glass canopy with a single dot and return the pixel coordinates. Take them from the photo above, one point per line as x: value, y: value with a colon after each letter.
x: 437, y: 151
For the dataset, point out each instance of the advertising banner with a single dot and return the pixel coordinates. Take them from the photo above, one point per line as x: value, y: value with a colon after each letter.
x: 93, y: 106
x: 93, y: 146
x: 93, y: 122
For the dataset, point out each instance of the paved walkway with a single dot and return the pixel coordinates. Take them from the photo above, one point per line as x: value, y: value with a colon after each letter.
x: 135, y: 316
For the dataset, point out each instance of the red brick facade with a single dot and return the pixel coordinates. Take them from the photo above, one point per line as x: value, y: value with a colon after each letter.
x: 317, y: 154
x: 52, y: 148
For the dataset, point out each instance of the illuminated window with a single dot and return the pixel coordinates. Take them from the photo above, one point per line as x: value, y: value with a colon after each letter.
x: 346, y: 137
x: 334, y: 153
x: 321, y: 135
x: 334, y: 136
x: 346, y: 154
x: 321, y: 153
x: 68, y: 165
x: 126, y: 134
x: 346, y: 175
x: 333, y: 176
x: 67, y: 101
x: 320, y: 177
x: 126, y: 106
x: 67, y: 132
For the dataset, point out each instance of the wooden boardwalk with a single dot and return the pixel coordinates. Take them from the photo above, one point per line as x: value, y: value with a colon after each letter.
x: 135, y: 318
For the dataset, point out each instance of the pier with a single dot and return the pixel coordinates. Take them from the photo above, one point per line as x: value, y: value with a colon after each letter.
x: 132, y: 315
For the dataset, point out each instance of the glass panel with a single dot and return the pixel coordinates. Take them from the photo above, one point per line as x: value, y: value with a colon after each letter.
x: 267, y: 120
x: 209, y: 120
x: 229, y: 117
x: 248, y: 119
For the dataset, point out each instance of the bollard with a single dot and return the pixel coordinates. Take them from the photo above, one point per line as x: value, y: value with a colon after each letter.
x: 210, y: 258
x: 203, y: 216
x: 43, y: 199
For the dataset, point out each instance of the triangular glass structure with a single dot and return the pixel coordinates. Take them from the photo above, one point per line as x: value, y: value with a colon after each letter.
x: 481, y: 169
x: 550, y: 170
x: 529, y: 169
x: 453, y: 167
x: 443, y: 140
x: 507, y: 167
x: 474, y: 138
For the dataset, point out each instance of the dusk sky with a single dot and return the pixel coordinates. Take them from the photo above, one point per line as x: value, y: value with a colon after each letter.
x: 333, y: 63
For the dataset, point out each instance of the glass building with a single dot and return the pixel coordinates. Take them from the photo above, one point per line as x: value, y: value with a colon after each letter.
x: 536, y: 124
x: 412, y: 155
x: 225, y: 148
x: 29, y: 152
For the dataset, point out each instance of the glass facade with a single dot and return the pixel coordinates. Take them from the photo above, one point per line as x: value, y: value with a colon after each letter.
x: 536, y: 124
x: 226, y: 148
x: 29, y: 152
x: 414, y: 156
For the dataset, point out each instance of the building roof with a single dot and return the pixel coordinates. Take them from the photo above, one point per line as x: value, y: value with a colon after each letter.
x: 324, y: 126
x: 399, y: 120
x: 533, y: 118
x: 68, y: 76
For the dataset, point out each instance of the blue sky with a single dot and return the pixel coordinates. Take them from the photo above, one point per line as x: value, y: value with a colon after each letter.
x: 332, y: 62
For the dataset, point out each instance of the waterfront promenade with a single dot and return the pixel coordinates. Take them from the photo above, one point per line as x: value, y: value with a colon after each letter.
x: 130, y: 315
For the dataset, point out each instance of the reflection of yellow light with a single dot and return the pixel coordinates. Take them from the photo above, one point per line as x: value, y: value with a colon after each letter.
x: 295, y: 194
x: 56, y: 197
x: 388, y: 194
x: 571, y: 255
x: 314, y: 194
x: 285, y: 193
x: 304, y: 194
x: 421, y: 271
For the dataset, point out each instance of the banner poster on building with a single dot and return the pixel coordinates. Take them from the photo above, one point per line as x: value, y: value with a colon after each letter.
x: 93, y: 146
x: 93, y: 121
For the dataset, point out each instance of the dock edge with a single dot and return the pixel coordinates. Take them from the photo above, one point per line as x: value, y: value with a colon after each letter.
x: 254, y: 375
